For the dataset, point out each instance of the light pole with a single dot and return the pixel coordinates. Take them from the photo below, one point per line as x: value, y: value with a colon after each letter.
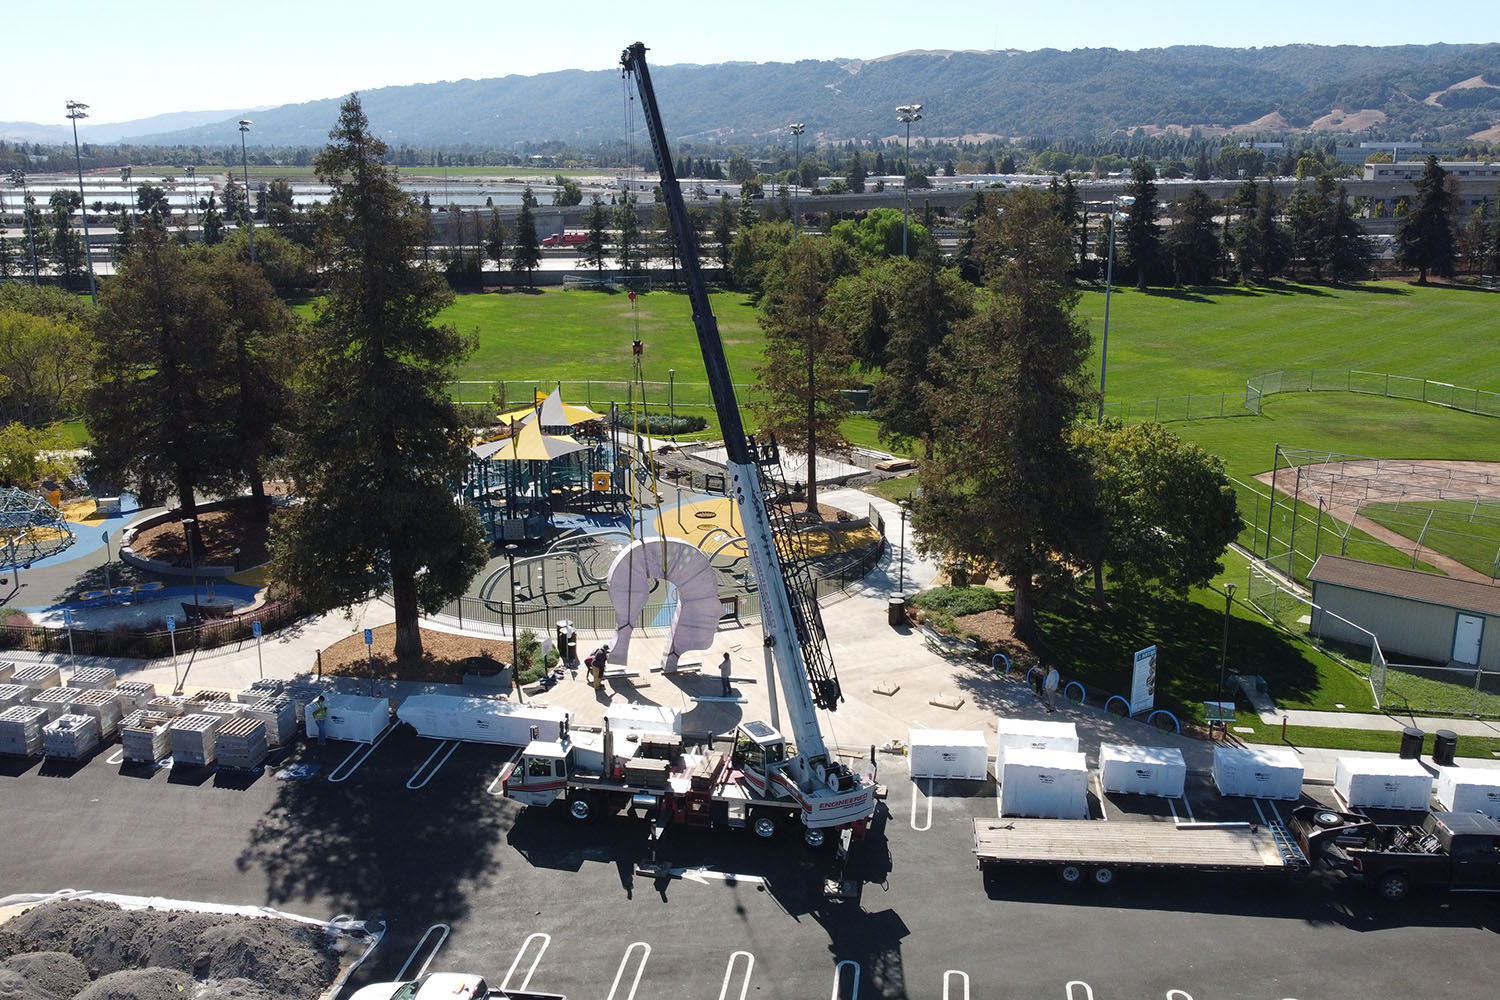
x: 515, y: 637
x: 125, y: 175
x: 901, y: 573
x: 188, y: 526
x: 192, y: 173
x: 1109, y: 284
x: 77, y: 110
x: 249, y: 212
x: 797, y: 129
x: 907, y: 113
x: 18, y: 177
x: 1223, y: 652
x: 107, y: 585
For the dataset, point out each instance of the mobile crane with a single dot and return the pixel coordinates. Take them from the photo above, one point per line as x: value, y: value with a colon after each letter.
x: 764, y: 774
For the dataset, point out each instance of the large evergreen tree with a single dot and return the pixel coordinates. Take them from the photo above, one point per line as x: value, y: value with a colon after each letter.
x: 1348, y: 251
x: 1424, y: 236
x: 380, y: 444
x: 526, y: 254
x: 596, y: 244
x: 1192, y: 244
x: 1005, y: 491
x: 1142, y: 236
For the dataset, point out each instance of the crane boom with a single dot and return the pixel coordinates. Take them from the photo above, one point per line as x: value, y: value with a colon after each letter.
x: 780, y: 618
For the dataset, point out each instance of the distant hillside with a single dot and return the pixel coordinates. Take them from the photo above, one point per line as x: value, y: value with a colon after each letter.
x: 1447, y: 92
x: 118, y: 131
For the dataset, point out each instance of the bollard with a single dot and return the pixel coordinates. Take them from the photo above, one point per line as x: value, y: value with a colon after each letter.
x: 1283, y: 729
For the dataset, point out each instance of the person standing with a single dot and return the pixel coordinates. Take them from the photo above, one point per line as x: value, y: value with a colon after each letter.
x: 1050, y: 686
x: 318, y: 712
x: 724, y: 674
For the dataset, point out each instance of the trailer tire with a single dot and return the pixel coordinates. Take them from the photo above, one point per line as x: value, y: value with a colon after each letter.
x: 763, y: 825
x: 1394, y: 886
x: 1070, y: 874
x: 1104, y: 875
x: 1328, y: 819
x: 581, y: 808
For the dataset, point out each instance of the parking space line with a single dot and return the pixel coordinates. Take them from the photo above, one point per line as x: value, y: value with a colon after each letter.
x: 356, y: 757
x: 729, y: 971
x: 625, y: 961
x: 1179, y: 995
x: 963, y: 980
x: 914, y: 797
x: 452, y: 745
x: 838, y: 980
x: 546, y: 940
x: 421, y: 942
x: 499, y: 777
x: 1088, y: 991
x: 118, y: 757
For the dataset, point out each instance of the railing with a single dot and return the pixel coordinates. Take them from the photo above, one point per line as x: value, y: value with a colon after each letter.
x: 1422, y: 390
x: 123, y: 640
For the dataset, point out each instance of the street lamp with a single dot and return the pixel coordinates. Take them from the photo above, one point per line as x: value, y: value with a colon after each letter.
x: 1223, y: 652
x: 77, y: 110
x: 907, y: 113
x: 1109, y: 284
x: 125, y: 175
x: 797, y: 129
x: 515, y: 637
x: 188, y: 526
x: 18, y: 177
x: 249, y: 213
x: 901, y: 573
x: 192, y: 173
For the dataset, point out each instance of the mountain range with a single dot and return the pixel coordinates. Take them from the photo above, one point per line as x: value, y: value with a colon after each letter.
x: 1446, y: 92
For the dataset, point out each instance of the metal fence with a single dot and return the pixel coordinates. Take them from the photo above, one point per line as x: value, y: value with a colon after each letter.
x: 1422, y: 390
x: 124, y: 640
x: 1167, y: 409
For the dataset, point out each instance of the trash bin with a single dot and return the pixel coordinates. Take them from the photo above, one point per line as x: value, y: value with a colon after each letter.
x: 1444, y: 744
x: 572, y: 647
x: 896, y: 612
x: 1411, y: 743
x: 567, y: 641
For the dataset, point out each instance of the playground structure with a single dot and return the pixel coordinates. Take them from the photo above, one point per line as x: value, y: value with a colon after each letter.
x: 33, y: 528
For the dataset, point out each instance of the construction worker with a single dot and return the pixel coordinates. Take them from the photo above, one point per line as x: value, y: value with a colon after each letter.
x: 317, y: 711
x: 724, y: 674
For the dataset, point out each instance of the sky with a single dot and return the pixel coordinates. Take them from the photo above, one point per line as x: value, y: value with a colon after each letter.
x: 128, y: 62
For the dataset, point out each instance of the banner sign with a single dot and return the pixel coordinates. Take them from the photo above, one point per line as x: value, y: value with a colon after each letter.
x: 1143, y: 681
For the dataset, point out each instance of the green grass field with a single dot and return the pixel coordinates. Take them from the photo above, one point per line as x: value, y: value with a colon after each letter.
x: 1469, y: 531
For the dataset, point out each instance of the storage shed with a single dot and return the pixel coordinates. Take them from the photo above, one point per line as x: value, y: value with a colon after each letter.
x: 1142, y: 770
x: 1382, y: 783
x: 1049, y: 784
x: 1424, y: 615
x: 948, y: 753
x: 1258, y: 772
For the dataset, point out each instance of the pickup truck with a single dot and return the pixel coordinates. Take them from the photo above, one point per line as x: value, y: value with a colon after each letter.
x: 1458, y: 851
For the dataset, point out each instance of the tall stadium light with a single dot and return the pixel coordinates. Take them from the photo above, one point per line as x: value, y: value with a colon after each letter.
x: 18, y: 178
x: 906, y: 114
x: 1109, y: 284
x: 797, y: 129
x: 249, y: 211
x: 192, y: 173
x: 77, y: 110
x: 1229, y: 589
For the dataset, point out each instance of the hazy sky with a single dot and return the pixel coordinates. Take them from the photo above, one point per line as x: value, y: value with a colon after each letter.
x: 131, y: 61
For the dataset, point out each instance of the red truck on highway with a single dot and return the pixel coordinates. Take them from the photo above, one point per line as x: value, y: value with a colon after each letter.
x: 565, y: 240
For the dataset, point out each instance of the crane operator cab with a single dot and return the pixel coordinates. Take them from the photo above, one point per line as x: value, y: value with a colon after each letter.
x: 764, y: 757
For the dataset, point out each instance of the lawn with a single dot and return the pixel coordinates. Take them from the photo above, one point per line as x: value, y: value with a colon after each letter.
x: 1467, y: 530
x: 1485, y: 747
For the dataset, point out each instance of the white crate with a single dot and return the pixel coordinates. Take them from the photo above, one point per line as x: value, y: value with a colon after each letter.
x: 1382, y: 783
x: 1052, y: 784
x: 948, y: 753
x: 1137, y: 770
x: 482, y: 720
x: 1258, y: 772
x: 1033, y: 734
x: 1466, y: 789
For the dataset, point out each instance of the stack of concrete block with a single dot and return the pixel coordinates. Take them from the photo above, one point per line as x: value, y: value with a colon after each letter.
x: 103, y: 705
x: 134, y: 695
x: 280, y: 717
x: 15, y: 694
x: 193, y: 738
x: 259, y: 690
x: 301, y: 694
x: 21, y: 730
x: 145, y: 736
x: 58, y: 701
x: 7, y: 671
x: 38, y: 677
x: 71, y: 737
x: 241, y: 743
x: 94, y: 679
x: 227, y: 709
x: 198, y: 699
x: 167, y: 704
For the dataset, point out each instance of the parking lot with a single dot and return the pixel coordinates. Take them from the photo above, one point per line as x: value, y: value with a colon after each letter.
x: 415, y: 832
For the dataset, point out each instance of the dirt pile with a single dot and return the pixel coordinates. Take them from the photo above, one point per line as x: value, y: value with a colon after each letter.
x: 92, y: 950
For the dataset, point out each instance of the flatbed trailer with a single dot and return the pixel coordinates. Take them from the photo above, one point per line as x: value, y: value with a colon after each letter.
x: 1096, y: 850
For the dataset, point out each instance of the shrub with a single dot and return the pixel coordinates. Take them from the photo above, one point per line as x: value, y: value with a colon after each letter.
x: 663, y: 425
x: 956, y: 602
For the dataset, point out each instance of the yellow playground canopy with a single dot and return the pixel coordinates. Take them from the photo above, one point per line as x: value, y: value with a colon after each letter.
x: 552, y: 412
x: 531, y: 445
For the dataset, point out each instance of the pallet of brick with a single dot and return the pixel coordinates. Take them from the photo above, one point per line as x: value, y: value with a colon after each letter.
x: 71, y: 737
x: 103, y: 705
x: 261, y: 689
x: 134, y: 695
x: 15, y: 694
x: 167, y: 704
x: 94, y: 679
x: 200, y: 698
x: 301, y: 694
x: 280, y: 717
x: 193, y: 738
x: 227, y: 709
x: 21, y: 730
x: 58, y: 701
x: 240, y: 743
x: 38, y: 677
x: 7, y: 671
x: 146, y: 736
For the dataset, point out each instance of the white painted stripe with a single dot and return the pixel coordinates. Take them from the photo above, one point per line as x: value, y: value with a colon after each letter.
x: 497, y: 779
x: 1088, y: 991
x: 118, y: 757
x: 838, y: 980
x: 413, y: 783
x: 356, y: 757
x: 545, y: 939
x: 914, y: 797
x: 963, y: 980
x: 421, y: 943
x: 729, y: 971
x: 1179, y: 995
x: 640, y: 968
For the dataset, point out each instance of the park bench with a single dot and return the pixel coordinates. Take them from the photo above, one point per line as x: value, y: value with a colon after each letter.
x: 950, y: 646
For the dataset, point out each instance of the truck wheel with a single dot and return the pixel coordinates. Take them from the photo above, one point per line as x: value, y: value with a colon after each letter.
x: 581, y: 808
x: 1394, y: 886
x: 764, y: 825
x: 814, y: 838
x: 1070, y: 874
x: 1104, y: 876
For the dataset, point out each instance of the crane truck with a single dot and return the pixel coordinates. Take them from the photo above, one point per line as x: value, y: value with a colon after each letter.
x: 762, y: 777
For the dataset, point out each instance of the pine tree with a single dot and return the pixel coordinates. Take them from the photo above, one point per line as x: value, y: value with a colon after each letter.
x: 1424, y: 237
x: 1348, y: 251
x: 596, y: 244
x: 1142, y: 236
x: 527, y: 252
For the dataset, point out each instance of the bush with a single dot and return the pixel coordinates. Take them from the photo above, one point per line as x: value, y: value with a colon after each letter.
x: 956, y: 602
x: 663, y: 425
